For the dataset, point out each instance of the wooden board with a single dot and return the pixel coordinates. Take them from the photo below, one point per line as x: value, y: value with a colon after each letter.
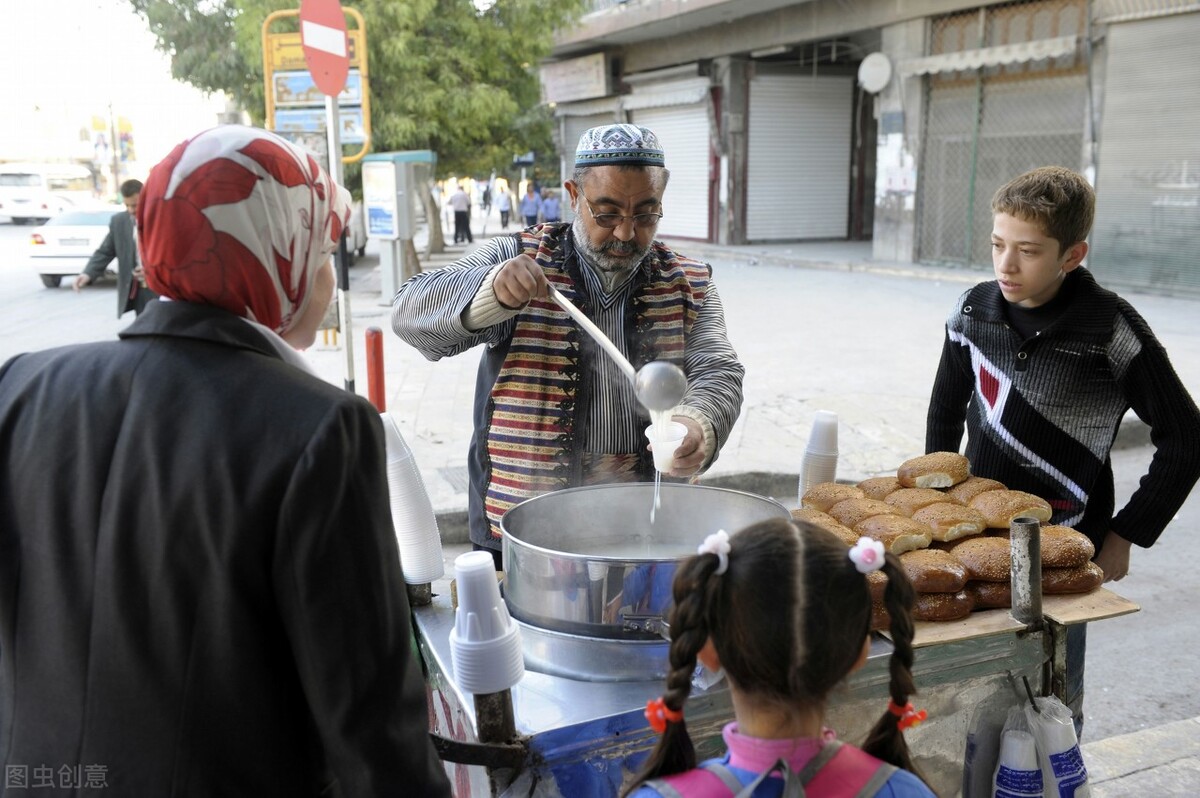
x: 977, y: 624
x: 1076, y: 608
x: 1067, y: 610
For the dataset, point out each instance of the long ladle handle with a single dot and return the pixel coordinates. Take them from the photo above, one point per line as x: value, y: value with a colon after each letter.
x: 594, y: 331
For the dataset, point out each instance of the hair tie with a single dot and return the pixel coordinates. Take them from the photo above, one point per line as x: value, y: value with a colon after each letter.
x: 867, y: 555
x: 659, y: 714
x: 908, y: 715
x: 717, y: 543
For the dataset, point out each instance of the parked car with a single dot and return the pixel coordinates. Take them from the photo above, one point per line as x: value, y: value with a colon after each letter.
x: 62, y: 246
x: 36, y: 192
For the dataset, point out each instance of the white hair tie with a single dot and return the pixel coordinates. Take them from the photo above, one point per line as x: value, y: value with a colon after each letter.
x: 717, y: 543
x: 867, y: 555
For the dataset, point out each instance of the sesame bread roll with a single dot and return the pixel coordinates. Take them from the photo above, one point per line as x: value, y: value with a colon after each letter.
x: 1062, y: 547
x: 971, y: 487
x: 942, y: 606
x: 990, y: 595
x: 826, y: 522
x: 987, y: 558
x: 936, y: 470
x: 908, y: 500
x: 948, y: 521
x: 933, y: 571
x: 876, y: 585
x: 879, y: 487
x: 826, y: 494
x: 1083, y: 579
x: 1000, y: 507
x: 851, y: 511
x: 897, y: 533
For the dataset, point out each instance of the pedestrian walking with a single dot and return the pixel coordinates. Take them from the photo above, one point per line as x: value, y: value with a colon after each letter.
x: 504, y: 205
x: 530, y: 205
x: 121, y: 243
x: 461, y: 204
x: 551, y: 206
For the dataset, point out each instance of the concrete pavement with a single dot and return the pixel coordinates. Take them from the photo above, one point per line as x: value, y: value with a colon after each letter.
x: 822, y: 326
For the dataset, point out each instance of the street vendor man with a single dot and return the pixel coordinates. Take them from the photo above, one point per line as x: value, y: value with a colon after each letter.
x: 551, y: 409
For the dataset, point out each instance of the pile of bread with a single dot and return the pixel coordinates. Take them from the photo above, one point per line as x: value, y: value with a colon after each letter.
x: 950, y: 530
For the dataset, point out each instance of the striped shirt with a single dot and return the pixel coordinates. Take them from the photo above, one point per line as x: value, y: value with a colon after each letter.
x: 428, y: 310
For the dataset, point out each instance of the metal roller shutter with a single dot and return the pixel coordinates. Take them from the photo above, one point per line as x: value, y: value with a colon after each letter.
x: 683, y: 132
x: 798, y: 169
x: 1007, y: 92
x: 1147, y: 229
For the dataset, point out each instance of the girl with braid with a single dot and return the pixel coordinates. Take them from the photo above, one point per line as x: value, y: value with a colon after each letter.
x: 783, y: 608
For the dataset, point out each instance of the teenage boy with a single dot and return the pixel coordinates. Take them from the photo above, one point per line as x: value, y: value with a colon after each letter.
x: 1041, y: 364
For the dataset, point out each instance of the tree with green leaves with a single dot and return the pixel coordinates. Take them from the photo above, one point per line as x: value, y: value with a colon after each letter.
x: 445, y: 75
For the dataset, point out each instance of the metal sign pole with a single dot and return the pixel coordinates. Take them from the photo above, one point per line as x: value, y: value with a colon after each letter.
x: 340, y: 259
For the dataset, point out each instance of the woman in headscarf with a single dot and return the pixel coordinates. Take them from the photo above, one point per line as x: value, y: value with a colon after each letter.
x: 200, y: 590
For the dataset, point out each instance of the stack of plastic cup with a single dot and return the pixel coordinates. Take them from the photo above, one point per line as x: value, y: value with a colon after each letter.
x: 412, y: 512
x: 819, y: 463
x: 1018, y: 773
x: 485, y: 643
x: 663, y: 443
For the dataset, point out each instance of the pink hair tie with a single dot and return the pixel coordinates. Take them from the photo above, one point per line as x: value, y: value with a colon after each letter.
x: 867, y: 555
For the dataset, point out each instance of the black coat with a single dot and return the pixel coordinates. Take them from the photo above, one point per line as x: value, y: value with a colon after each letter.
x: 200, y: 588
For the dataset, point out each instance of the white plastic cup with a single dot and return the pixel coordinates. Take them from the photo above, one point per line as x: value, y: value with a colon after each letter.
x: 485, y: 643
x: 482, y: 614
x: 664, y: 444
x: 1018, y: 750
x: 815, y: 468
x: 1018, y: 773
x: 823, y: 438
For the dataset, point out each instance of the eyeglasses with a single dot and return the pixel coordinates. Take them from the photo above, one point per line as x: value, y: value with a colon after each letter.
x: 613, y: 220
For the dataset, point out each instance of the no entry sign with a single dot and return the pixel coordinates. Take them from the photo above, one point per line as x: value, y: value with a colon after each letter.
x: 323, y: 34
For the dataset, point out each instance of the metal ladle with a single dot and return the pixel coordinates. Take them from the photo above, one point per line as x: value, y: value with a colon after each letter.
x: 658, y: 385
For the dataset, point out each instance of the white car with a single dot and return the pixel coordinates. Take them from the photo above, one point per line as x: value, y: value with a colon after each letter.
x: 62, y: 246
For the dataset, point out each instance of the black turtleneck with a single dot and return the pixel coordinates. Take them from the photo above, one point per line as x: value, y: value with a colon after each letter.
x: 1030, y: 322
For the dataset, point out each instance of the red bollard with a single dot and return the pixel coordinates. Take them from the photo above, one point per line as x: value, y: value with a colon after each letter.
x: 375, y: 368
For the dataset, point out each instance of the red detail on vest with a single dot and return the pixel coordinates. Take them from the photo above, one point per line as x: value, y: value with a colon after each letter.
x: 989, y: 386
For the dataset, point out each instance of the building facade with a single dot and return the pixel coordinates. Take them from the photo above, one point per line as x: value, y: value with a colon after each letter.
x: 895, y: 122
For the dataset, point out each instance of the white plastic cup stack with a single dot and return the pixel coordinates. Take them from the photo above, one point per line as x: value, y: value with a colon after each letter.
x: 1018, y: 773
x: 664, y: 440
x: 485, y: 643
x: 819, y: 463
x: 412, y: 512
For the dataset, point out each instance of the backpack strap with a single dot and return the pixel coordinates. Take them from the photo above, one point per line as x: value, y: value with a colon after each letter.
x: 722, y: 772
x: 848, y: 771
x: 708, y: 779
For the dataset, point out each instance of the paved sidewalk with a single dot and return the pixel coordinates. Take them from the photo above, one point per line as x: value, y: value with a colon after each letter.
x: 819, y: 326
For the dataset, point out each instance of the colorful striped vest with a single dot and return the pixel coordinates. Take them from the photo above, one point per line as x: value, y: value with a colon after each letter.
x: 533, y: 414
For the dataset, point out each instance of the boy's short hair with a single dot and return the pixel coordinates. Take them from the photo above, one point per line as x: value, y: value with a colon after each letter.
x: 1059, y: 200
x: 131, y: 188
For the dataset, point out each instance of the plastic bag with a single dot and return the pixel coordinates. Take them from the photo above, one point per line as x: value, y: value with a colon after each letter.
x: 1063, y: 771
x: 1018, y: 772
x: 983, y: 747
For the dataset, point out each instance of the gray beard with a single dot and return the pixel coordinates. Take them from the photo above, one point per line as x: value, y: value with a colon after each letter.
x: 611, y: 271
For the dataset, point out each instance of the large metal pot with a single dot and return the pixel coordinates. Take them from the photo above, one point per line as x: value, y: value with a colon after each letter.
x: 588, y: 561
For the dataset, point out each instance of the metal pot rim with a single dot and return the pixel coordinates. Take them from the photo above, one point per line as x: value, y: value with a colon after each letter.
x: 611, y: 486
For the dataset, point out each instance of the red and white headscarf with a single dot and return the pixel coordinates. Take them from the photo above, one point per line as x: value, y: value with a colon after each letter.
x: 240, y: 218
